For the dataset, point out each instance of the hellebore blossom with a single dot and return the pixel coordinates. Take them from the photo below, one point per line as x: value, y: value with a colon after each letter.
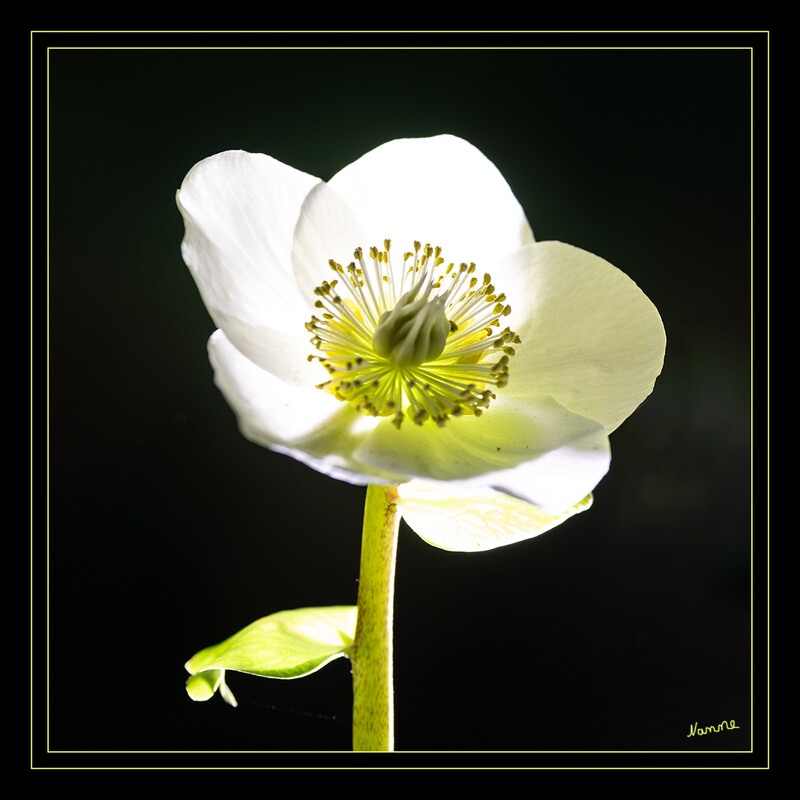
x: 399, y: 325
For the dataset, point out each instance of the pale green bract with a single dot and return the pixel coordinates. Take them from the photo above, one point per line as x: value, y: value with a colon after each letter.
x: 287, y: 644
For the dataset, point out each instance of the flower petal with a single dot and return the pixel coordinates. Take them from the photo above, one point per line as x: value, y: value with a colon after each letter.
x: 537, y: 451
x: 468, y: 520
x: 326, y: 229
x: 590, y: 337
x: 307, y: 424
x: 240, y: 210
x: 440, y: 190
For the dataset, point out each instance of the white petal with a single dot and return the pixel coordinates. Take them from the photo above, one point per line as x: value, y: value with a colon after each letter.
x: 590, y: 337
x: 460, y: 518
x: 327, y: 229
x: 440, y: 190
x: 240, y: 211
x: 537, y: 451
x: 309, y: 425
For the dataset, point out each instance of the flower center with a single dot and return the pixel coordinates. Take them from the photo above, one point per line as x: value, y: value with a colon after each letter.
x: 420, y: 341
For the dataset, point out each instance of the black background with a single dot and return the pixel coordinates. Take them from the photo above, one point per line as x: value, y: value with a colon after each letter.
x: 160, y: 530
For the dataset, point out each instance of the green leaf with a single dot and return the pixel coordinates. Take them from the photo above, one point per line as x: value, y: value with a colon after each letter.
x: 287, y: 644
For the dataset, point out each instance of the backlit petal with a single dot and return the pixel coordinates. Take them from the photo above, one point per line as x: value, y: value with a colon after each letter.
x: 326, y: 229
x: 536, y: 450
x: 440, y: 190
x: 307, y: 424
x: 467, y: 519
x: 590, y: 337
x: 240, y: 211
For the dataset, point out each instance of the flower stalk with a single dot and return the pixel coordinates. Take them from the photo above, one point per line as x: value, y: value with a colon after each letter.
x: 371, y: 652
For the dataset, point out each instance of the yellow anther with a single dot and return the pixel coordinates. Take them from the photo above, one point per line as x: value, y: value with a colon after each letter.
x: 400, y: 344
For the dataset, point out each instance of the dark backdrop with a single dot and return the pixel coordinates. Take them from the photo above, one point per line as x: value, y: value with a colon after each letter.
x: 168, y: 531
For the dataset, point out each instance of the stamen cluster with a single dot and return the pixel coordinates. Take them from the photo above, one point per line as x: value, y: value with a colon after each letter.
x: 420, y: 341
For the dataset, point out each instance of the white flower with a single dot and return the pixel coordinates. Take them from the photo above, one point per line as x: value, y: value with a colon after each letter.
x: 399, y: 324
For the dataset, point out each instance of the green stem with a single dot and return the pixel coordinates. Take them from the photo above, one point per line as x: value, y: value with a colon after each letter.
x: 371, y: 653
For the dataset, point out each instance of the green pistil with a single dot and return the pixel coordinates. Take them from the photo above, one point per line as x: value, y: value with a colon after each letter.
x: 414, y: 331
